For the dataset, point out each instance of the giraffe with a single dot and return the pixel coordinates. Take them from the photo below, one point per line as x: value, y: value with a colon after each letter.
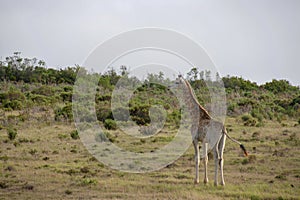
x: 203, y: 129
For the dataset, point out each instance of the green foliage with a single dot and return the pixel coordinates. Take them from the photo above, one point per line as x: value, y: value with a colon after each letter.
x: 66, y: 96
x: 121, y: 113
x: 104, y: 136
x: 64, y: 112
x: 232, y: 108
x: 236, y: 83
x: 14, y: 105
x: 174, y: 118
x: 45, y: 90
x: 32, y: 151
x: 32, y: 70
x: 103, y: 113
x: 256, y: 113
x: 106, y: 97
x: 25, y: 82
x: 110, y: 124
x: 12, y: 133
x: 140, y: 114
x: 39, y: 99
x: 88, y: 181
x: 12, y: 99
x: 248, y: 120
x: 74, y: 134
x: 280, y: 86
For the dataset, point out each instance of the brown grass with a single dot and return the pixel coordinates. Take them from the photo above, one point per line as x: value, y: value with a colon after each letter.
x: 48, y: 164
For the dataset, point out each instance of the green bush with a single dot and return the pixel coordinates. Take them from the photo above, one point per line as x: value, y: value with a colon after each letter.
x: 45, y: 90
x: 13, y: 105
x: 105, y: 97
x: 68, y: 88
x: 101, y: 137
x: 66, y: 96
x: 257, y: 114
x: 39, y: 99
x: 174, y: 117
x: 12, y: 94
x: 249, y: 120
x: 121, y: 114
x: 74, y: 134
x: 12, y: 99
x: 63, y: 113
x: 279, y: 86
x: 140, y: 114
x: 103, y: 113
x: 104, y: 137
x: 12, y: 133
x: 110, y: 124
x: 232, y: 108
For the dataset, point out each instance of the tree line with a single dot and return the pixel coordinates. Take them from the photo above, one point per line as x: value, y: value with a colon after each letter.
x: 28, y: 82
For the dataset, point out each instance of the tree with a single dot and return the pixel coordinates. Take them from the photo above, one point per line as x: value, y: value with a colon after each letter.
x: 218, y: 78
x: 207, y: 75
x: 278, y: 86
x: 193, y: 74
x: 201, y: 75
x: 123, y: 69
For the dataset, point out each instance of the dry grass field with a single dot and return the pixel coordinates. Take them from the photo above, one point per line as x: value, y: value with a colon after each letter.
x: 45, y: 162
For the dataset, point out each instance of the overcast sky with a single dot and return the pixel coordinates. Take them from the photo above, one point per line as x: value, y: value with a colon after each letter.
x: 258, y: 40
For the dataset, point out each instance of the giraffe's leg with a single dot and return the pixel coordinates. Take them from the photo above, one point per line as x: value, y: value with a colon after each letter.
x: 205, y: 161
x: 221, y: 160
x: 197, y: 160
x: 216, y: 158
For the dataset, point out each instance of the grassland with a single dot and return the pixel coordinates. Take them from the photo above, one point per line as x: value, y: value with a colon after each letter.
x: 45, y: 162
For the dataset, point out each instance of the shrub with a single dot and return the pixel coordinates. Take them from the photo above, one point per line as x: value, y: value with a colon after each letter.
x: 12, y: 99
x: 121, y: 114
x: 64, y: 113
x: 278, y: 86
x: 66, y: 96
x: 257, y: 114
x: 105, y: 97
x: 260, y: 124
x: 68, y: 88
x: 13, y: 104
x: 256, y: 135
x: 12, y: 94
x: 174, y: 117
x: 103, y: 113
x: 44, y: 90
x: 231, y: 109
x: 68, y: 192
x: 12, y: 133
x: 88, y: 181
x: 110, y: 124
x: 140, y: 114
x: 74, y: 134
x: 32, y: 151
x: 3, y: 185
x: 40, y: 99
x: 148, y: 130
x: 101, y: 137
x: 249, y: 120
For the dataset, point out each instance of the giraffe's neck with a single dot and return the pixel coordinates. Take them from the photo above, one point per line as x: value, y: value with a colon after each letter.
x: 192, y: 103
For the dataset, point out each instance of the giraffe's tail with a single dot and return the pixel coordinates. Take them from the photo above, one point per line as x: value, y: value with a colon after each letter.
x: 241, y: 145
x: 244, y: 149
